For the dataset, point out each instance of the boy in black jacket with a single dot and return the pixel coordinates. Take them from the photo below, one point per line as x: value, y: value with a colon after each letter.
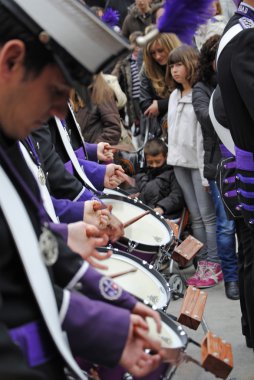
x: 157, y: 184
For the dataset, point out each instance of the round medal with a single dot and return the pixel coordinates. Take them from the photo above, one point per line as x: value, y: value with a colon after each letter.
x: 48, y: 247
x: 41, y: 176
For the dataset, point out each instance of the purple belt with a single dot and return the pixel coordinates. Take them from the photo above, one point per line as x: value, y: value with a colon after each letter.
x: 244, y: 159
x: 35, y: 343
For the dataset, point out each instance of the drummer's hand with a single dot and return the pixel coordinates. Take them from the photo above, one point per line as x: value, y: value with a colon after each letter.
x: 114, y: 176
x: 146, y: 311
x: 159, y: 210
x: 104, y: 153
x: 96, y: 214
x: 115, y: 228
x: 134, y: 358
x: 84, y: 238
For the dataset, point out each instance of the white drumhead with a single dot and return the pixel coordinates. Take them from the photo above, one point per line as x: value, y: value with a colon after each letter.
x: 142, y: 283
x: 167, y: 336
x: 149, y: 230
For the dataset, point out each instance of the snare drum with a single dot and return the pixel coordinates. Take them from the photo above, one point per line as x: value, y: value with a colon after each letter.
x: 145, y: 238
x: 172, y: 336
x: 145, y: 283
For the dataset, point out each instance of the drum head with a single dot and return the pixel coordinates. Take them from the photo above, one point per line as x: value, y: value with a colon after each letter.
x: 150, y: 231
x: 172, y: 334
x: 117, y: 191
x: 145, y: 283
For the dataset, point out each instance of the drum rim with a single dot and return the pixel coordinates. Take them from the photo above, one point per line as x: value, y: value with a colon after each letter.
x: 150, y: 268
x: 116, y: 189
x: 146, y: 248
x: 176, y: 327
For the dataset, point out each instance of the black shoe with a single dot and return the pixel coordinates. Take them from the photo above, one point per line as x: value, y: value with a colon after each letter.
x: 232, y: 290
x: 248, y: 342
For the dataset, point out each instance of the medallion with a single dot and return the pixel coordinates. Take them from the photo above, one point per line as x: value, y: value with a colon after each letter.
x: 48, y: 247
x: 41, y: 176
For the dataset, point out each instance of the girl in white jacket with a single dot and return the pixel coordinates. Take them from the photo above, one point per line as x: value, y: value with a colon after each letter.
x: 185, y: 153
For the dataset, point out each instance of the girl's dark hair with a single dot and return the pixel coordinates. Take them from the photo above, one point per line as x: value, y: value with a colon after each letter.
x: 154, y: 147
x: 37, y: 56
x: 188, y: 56
x: 206, y: 58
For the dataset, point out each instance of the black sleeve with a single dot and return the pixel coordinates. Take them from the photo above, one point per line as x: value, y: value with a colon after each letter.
x: 200, y: 101
x: 174, y: 201
x: 62, y: 183
x: 146, y: 92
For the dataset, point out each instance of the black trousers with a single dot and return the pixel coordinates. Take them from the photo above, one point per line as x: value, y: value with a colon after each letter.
x: 246, y: 277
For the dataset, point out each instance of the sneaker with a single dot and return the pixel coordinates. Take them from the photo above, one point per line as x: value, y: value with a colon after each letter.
x: 201, y: 267
x: 212, y: 276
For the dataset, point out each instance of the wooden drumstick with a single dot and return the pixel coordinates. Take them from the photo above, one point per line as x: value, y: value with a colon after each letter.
x: 135, y: 219
x: 123, y: 273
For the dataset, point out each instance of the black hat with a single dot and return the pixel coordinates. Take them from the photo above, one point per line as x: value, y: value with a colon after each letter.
x: 81, y: 44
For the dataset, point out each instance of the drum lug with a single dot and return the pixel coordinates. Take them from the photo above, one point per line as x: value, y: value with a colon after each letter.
x: 131, y: 246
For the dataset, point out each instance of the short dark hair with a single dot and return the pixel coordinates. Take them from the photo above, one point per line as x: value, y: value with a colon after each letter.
x: 37, y: 56
x: 154, y: 147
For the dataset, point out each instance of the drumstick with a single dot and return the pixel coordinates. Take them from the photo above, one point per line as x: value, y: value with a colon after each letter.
x: 123, y: 273
x: 135, y: 219
x: 99, y: 206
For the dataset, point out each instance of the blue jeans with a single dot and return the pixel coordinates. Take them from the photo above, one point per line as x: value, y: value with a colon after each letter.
x: 202, y: 211
x: 225, y: 233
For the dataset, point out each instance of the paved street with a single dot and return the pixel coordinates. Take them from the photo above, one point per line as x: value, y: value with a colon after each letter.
x: 223, y: 318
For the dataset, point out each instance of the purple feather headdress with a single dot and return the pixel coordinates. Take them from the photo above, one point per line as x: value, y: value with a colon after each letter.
x: 111, y: 17
x: 182, y: 17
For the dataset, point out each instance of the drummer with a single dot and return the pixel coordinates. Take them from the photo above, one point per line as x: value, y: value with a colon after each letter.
x: 32, y: 346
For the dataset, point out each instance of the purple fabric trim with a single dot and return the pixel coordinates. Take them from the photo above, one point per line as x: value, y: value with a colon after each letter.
x: 61, y: 229
x: 90, y: 286
x: 230, y: 194
x: 244, y: 159
x: 68, y: 211
x: 246, y: 194
x: 229, y: 180
x: 69, y: 167
x: 80, y: 154
x: 91, y: 150
x: 245, y: 179
x: 96, y: 331
x: 230, y: 165
x: 95, y: 173
x: 247, y: 207
x: 33, y: 340
x: 225, y: 152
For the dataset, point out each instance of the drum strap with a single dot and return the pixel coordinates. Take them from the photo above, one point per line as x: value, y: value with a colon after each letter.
x: 71, y: 154
x: 27, y: 245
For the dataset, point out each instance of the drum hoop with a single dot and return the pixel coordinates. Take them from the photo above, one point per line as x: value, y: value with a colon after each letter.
x: 117, y: 189
x: 176, y: 327
x: 143, y: 263
x: 141, y: 246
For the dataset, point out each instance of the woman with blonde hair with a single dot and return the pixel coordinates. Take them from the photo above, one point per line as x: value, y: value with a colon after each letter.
x: 99, y: 121
x: 154, y: 92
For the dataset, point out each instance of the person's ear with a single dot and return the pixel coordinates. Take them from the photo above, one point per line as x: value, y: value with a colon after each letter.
x: 12, y: 56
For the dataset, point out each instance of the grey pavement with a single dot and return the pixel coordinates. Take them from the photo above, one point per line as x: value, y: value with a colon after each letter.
x: 223, y: 318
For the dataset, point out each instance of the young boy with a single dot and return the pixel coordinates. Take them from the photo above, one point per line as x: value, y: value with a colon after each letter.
x: 157, y: 184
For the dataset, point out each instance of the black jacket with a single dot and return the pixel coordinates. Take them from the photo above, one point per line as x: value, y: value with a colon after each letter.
x: 236, y: 81
x: 161, y: 189
x: 200, y: 98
